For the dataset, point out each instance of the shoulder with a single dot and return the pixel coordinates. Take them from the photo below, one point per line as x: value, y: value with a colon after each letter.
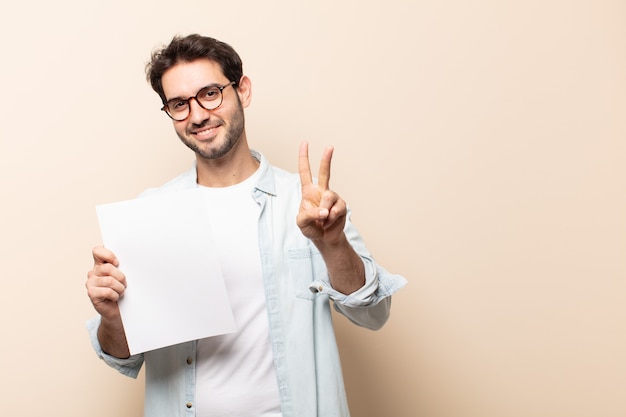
x: 277, y: 181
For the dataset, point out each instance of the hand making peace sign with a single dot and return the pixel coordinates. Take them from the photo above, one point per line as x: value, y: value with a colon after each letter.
x: 322, y: 215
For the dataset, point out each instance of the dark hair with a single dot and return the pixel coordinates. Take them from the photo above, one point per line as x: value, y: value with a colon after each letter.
x: 188, y: 49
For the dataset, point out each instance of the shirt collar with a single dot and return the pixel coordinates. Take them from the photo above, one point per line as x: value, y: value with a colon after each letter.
x: 265, y: 184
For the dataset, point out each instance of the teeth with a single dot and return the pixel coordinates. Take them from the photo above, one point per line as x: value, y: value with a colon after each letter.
x: 204, y: 132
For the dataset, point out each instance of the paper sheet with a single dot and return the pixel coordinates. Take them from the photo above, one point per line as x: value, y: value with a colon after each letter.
x: 175, y: 289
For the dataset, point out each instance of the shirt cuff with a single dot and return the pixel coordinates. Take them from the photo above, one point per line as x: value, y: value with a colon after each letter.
x: 364, y: 296
x: 129, y: 366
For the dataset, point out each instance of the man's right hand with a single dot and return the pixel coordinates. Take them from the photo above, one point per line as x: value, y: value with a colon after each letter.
x: 105, y: 283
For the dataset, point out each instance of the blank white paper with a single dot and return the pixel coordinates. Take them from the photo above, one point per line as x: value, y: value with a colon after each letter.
x: 175, y: 289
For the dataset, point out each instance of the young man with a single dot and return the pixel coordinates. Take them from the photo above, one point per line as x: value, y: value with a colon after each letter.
x: 286, y: 247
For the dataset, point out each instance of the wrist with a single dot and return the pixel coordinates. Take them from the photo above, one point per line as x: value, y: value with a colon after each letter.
x: 327, y: 244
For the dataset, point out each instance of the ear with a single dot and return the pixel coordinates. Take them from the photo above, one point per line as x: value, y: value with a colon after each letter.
x: 244, y: 90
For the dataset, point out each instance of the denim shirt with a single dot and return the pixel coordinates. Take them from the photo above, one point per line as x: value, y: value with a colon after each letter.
x: 297, y: 291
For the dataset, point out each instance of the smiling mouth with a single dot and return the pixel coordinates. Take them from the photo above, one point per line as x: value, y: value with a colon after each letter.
x: 206, y: 132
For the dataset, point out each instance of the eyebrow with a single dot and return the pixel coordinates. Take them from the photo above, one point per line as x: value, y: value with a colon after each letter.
x: 187, y: 98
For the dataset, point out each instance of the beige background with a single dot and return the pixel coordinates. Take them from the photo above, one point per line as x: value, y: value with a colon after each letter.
x: 480, y: 144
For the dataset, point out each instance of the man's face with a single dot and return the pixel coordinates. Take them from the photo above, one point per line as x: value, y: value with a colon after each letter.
x: 211, y: 134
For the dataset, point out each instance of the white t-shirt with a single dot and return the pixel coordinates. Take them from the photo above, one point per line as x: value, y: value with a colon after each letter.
x: 235, y: 375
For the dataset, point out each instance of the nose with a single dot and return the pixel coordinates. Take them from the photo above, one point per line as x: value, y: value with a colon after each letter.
x: 197, y: 113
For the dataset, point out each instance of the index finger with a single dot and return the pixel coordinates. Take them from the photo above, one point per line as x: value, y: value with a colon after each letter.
x: 304, y: 168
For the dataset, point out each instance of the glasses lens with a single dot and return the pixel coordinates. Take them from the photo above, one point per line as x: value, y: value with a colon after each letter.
x: 177, y: 109
x: 210, y: 97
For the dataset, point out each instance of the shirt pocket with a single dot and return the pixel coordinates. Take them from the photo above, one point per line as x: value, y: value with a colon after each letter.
x: 305, y: 266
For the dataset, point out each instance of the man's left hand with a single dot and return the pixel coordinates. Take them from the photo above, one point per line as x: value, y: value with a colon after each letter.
x: 322, y: 215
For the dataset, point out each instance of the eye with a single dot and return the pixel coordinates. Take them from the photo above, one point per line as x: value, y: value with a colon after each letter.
x: 178, y: 105
x: 209, y: 94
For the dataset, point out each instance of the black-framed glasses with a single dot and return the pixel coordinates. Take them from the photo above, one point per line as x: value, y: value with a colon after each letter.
x: 209, y: 98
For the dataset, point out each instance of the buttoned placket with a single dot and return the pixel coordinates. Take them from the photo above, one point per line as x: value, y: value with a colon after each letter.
x: 190, y: 378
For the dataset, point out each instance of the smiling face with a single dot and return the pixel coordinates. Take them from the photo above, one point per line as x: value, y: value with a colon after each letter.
x: 211, y: 134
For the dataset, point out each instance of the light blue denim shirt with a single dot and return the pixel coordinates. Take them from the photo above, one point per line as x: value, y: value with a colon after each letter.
x: 297, y: 291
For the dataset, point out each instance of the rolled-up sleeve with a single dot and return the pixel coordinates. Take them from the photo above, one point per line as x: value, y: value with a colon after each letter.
x: 370, y: 305
x: 129, y: 366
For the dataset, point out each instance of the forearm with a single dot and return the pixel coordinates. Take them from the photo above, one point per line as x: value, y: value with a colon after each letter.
x: 344, y: 265
x: 112, y: 338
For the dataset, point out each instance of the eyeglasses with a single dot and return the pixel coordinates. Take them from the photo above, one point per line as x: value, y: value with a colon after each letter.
x: 209, y: 98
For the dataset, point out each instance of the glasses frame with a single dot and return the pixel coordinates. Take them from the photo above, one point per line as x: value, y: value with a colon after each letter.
x: 166, y: 109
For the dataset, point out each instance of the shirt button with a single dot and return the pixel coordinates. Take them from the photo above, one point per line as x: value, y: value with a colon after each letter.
x: 189, y: 360
x: 189, y: 405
